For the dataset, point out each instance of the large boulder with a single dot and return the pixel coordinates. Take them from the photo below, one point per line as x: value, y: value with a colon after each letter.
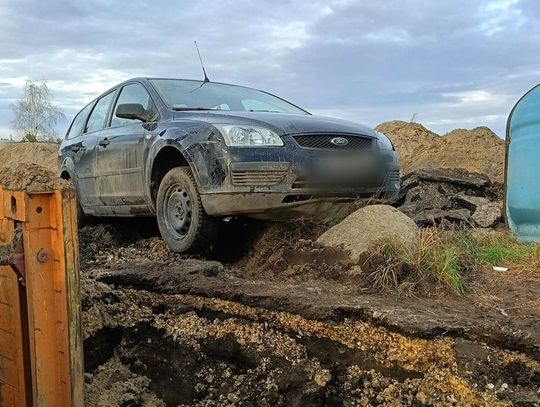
x: 359, y: 231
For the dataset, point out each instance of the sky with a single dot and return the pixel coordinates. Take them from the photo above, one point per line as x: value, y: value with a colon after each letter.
x: 448, y: 64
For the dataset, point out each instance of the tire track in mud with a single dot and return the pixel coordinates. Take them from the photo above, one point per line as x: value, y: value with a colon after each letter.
x: 280, y: 358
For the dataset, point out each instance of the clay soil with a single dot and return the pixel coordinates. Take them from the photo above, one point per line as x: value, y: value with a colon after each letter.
x: 44, y: 154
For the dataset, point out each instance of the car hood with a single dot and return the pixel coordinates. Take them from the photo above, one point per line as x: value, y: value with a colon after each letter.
x: 282, y: 123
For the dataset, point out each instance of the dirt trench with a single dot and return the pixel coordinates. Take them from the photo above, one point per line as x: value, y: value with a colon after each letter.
x: 149, y: 349
x: 164, y: 330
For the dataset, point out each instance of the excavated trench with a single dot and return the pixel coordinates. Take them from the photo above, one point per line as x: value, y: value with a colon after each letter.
x: 144, y: 348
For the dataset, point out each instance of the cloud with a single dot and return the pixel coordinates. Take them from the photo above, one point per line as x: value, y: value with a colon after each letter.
x: 452, y: 64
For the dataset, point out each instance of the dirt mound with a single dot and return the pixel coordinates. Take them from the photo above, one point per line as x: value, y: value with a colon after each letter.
x: 477, y: 150
x: 44, y: 154
x: 30, y: 177
x: 410, y: 140
x: 288, y: 252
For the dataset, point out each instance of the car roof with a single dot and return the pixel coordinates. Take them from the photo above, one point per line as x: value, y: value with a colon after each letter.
x: 195, y: 80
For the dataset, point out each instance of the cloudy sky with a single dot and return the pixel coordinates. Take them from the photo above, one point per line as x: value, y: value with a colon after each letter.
x: 449, y: 63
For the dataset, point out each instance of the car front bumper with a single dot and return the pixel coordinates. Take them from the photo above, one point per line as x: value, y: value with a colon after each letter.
x: 280, y: 183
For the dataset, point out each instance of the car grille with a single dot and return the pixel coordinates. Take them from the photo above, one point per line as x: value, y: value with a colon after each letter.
x: 256, y: 178
x: 323, y: 141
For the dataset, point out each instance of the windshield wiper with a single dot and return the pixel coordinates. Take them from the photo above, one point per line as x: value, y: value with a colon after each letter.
x: 269, y: 111
x: 180, y: 109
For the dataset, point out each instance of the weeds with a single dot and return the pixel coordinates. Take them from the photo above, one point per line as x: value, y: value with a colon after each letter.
x: 495, y: 248
x: 446, y: 257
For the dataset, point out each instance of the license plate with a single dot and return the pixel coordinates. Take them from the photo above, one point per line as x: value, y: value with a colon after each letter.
x: 345, y: 165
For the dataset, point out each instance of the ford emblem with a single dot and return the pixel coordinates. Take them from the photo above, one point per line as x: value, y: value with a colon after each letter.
x: 339, y: 141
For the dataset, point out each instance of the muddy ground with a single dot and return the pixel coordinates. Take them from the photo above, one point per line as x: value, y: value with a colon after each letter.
x: 269, y: 317
x: 267, y: 328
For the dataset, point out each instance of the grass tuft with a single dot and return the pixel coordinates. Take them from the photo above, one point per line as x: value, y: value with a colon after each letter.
x: 447, y: 258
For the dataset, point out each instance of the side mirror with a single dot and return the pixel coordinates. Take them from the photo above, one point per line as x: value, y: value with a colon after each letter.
x: 131, y: 111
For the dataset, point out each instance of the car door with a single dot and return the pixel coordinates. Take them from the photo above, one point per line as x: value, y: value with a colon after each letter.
x: 86, y: 159
x: 79, y: 149
x: 121, y: 152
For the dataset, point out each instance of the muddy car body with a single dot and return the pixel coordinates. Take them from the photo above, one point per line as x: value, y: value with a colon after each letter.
x: 234, y: 151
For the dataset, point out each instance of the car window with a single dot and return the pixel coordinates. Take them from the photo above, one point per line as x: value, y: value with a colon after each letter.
x: 99, y: 114
x: 181, y: 94
x: 259, y: 105
x: 133, y: 93
x: 77, y: 126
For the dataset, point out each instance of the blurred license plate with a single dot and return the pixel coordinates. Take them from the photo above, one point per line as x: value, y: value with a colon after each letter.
x: 341, y: 165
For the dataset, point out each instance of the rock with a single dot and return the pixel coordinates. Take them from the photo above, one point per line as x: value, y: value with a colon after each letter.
x: 451, y: 176
x: 488, y: 215
x: 434, y: 196
x: 485, y: 212
x: 471, y: 202
x: 359, y: 231
x: 435, y: 216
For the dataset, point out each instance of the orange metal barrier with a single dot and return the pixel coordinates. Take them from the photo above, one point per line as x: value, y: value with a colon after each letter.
x: 41, y: 361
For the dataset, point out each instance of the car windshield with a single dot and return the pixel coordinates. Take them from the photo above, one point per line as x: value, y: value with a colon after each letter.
x: 197, y: 95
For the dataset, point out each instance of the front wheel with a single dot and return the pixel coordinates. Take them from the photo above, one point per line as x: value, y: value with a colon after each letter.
x: 182, y: 220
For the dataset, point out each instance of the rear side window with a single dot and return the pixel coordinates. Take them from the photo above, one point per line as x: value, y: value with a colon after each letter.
x: 99, y: 114
x: 134, y: 93
x: 77, y: 126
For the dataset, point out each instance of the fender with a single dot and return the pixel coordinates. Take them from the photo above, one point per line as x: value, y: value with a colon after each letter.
x: 201, y: 145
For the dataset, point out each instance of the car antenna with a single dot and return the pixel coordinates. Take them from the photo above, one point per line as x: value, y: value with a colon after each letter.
x: 202, y: 65
x: 206, y: 80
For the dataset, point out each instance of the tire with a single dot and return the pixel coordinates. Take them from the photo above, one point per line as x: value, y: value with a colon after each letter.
x: 182, y: 220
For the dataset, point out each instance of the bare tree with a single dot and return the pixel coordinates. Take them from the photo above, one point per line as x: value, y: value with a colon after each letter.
x: 36, y: 116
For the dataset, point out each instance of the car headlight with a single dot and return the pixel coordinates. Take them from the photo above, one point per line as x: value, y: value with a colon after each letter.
x: 249, y: 136
x: 384, y: 142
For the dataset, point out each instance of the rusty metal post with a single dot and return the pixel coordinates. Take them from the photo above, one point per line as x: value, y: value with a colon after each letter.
x: 40, y: 324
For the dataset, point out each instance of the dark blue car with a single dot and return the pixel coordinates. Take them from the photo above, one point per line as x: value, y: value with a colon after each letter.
x: 191, y: 152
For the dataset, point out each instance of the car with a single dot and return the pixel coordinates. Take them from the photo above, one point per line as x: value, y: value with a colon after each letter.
x: 191, y: 152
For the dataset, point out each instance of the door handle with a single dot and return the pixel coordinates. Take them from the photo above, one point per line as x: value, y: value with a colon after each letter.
x: 104, y: 142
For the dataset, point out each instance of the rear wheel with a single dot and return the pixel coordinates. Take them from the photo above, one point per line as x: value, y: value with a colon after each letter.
x: 182, y: 220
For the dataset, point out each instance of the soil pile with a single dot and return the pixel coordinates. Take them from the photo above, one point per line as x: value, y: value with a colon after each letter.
x: 478, y: 150
x: 44, y: 154
x: 31, y: 177
x: 289, y: 252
